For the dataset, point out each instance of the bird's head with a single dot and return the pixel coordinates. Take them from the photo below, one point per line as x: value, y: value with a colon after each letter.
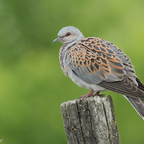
x: 69, y: 34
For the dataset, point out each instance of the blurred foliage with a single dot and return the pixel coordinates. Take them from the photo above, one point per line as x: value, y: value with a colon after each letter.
x: 32, y: 85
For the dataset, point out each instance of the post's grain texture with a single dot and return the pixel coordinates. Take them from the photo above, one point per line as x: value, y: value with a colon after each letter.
x: 90, y: 121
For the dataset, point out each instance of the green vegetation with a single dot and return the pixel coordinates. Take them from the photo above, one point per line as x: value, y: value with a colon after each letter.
x: 32, y: 85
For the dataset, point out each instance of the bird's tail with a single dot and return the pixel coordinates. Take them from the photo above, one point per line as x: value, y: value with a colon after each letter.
x: 138, y: 105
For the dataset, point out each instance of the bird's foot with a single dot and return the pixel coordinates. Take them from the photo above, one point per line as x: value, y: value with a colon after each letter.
x: 88, y: 95
x: 97, y: 94
x: 91, y: 94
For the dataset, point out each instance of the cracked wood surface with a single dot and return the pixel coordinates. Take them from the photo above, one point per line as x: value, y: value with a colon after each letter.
x: 90, y: 121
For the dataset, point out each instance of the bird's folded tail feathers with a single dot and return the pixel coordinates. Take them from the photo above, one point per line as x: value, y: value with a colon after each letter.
x: 137, y: 104
x: 140, y: 86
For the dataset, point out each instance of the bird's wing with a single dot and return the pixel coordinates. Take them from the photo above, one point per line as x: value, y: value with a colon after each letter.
x: 92, y: 59
x: 95, y: 62
x: 124, y: 87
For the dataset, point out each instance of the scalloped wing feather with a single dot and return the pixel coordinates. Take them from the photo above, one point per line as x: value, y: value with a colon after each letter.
x: 94, y: 61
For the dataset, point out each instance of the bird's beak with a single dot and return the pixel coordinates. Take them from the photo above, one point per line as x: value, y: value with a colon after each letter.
x: 57, y: 39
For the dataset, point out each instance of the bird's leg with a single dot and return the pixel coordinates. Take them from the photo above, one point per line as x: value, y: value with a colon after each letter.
x: 97, y: 94
x: 89, y: 94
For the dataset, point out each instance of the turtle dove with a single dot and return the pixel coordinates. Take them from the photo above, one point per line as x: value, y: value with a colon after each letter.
x: 99, y: 65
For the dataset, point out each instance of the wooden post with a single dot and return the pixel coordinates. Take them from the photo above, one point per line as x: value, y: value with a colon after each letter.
x: 90, y: 121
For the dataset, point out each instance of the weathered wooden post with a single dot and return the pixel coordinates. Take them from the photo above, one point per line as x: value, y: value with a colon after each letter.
x: 90, y: 121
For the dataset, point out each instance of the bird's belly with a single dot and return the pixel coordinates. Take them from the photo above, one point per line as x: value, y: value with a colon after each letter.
x: 84, y: 84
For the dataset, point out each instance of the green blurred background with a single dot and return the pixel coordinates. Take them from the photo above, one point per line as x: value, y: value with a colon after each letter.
x: 32, y: 85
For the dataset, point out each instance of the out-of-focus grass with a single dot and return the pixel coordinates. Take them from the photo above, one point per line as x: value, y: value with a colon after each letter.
x: 32, y: 85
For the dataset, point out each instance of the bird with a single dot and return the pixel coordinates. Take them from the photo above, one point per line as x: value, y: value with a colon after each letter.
x: 99, y: 65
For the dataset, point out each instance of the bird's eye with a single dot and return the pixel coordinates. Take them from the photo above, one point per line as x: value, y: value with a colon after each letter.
x: 68, y: 34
